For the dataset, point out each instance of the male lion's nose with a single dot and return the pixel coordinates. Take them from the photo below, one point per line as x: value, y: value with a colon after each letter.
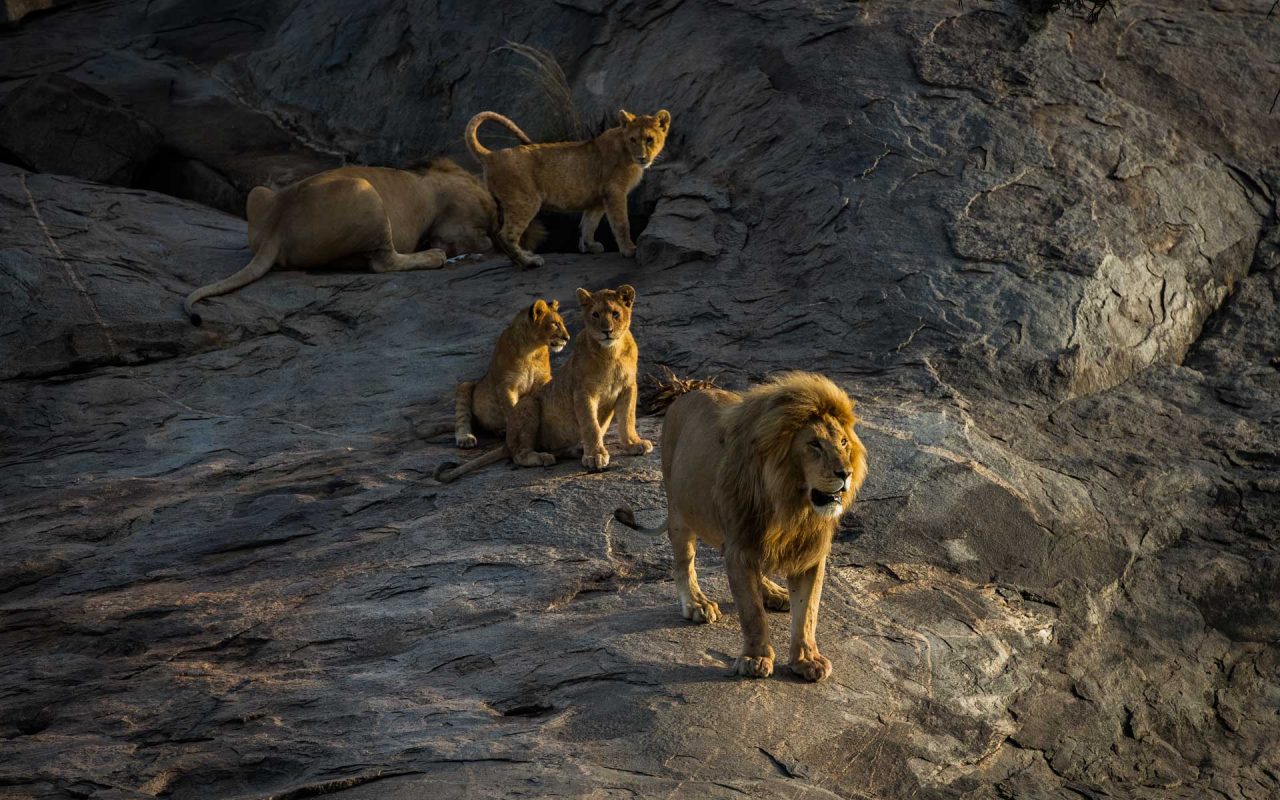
x: 841, y: 474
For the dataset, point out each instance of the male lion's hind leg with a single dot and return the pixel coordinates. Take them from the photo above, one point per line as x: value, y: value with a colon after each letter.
x: 522, y: 434
x: 389, y: 260
x: 694, y: 605
x: 775, y: 597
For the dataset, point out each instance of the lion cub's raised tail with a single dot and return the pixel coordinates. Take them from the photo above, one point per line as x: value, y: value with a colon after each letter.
x: 480, y: 151
x: 628, y: 517
x: 449, y: 472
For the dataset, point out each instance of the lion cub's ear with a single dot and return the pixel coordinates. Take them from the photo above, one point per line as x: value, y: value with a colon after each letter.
x: 584, y: 297
x: 625, y: 116
x: 664, y: 119
x: 555, y: 305
x: 628, y: 294
x: 538, y: 310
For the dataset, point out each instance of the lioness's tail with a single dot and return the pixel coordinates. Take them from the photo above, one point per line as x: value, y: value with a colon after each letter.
x: 256, y: 268
x: 449, y: 472
x: 478, y: 150
x: 628, y: 517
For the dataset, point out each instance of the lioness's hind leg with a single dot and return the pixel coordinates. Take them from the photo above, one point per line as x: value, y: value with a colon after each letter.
x: 391, y: 261
x: 694, y: 605
x: 775, y: 597
x: 587, y: 231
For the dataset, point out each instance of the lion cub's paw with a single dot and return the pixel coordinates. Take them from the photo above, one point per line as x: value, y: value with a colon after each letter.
x: 590, y: 247
x: 753, y: 666
x: 816, y: 669
x: 700, y: 609
x: 466, y: 440
x: 596, y: 461
x: 638, y: 448
x: 533, y: 261
x: 628, y: 250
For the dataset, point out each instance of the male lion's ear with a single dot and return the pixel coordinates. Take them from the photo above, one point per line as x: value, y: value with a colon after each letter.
x: 538, y: 309
x: 628, y: 294
x: 625, y: 116
x: 664, y: 119
x: 584, y: 297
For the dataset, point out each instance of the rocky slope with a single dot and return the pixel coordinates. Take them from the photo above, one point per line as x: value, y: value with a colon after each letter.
x: 1042, y: 254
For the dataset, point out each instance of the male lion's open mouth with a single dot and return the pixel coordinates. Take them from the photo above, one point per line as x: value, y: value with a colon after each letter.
x: 822, y: 499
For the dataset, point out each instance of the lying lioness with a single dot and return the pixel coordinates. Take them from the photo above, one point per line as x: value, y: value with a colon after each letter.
x: 371, y: 216
x: 593, y: 177
x: 765, y: 475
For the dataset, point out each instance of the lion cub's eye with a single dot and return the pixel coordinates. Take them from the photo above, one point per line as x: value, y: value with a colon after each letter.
x: 649, y: 141
x: 616, y: 315
x: 595, y: 315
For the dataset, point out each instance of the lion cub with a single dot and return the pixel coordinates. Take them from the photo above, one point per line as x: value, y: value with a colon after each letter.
x: 593, y: 177
x: 521, y: 364
x: 570, y: 414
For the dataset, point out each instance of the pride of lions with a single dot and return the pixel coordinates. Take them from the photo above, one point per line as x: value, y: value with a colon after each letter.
x: 764, y: 475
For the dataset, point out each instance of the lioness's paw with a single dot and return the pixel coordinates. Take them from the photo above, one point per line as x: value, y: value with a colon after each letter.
x: 465, y: 440
x: 816, y: 669
x: 700, y: 610
x: 596, y: 461
x: 753, y: 666
x: 638, y: 448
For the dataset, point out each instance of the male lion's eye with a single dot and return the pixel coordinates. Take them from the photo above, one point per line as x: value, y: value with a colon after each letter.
x: 816, y: 446
x: 844, y: 442
x: 595, y: 315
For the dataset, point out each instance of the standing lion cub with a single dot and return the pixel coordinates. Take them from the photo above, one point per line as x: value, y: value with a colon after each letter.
x: 593, y: 177
x: 570, y: 414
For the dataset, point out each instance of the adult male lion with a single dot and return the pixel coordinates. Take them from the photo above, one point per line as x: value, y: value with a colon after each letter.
x: 364, y: 215
x: 765, y: 475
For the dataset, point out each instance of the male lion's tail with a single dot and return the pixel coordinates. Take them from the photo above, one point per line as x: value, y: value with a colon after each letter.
x: 480, y: 151
x: 449, y: 471
x: 628, y: 517
x: 260, y: 264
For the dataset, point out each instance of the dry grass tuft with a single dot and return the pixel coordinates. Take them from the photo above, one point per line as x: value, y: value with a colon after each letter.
x: 661, y: 390
x: 545, y: 73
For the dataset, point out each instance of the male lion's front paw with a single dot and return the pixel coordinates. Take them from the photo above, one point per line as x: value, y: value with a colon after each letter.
x: 699, y: 609
x: 465, y: 440
x: 753, y: 666
x: 638, y: 448
x: 596, y: 461
x: 815, y: 669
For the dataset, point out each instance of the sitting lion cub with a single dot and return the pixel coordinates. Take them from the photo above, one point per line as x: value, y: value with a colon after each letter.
x: 764, y: 475
x: 593, y: 177
x: 570, y: 414
x: 521, y: 364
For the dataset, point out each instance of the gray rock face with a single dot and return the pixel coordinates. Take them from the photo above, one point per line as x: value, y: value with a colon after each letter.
x: 1042, y: 255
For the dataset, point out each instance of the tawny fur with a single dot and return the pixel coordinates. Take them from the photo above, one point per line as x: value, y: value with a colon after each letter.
x: 593, y: 176
x: 521, y: 363
x: 571, y: 414
x: 742, y: 473
x: 366, y: 216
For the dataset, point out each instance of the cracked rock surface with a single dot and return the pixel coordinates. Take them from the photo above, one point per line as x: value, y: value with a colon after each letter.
x: 1042, y: 255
